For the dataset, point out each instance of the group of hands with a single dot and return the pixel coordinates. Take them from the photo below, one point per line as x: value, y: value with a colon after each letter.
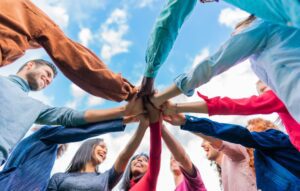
x: 147, y: 107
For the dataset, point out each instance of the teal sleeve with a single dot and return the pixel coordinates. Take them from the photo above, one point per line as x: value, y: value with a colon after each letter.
x: 165, y: 32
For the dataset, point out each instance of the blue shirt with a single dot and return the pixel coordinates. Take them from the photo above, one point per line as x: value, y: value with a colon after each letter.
x: 274, y: 52
x: 18, y: 112
x: 284, y: 12
x: 277, y: 161
x: 30, y: 164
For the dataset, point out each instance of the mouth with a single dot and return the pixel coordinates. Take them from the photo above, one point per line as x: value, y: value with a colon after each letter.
x: 138, y: 165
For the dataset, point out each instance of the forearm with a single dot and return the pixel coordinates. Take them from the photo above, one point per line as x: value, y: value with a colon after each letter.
x: 130, y: 148
x: 92, y: 116
x: 167, y: 94
x: 177, y: 151
x: 192, y: 107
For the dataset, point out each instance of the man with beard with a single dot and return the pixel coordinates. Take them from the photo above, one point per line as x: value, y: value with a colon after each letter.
x: 19, y: 111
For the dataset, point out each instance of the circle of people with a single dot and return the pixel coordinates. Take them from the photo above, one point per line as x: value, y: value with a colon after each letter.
x: 256, y: 157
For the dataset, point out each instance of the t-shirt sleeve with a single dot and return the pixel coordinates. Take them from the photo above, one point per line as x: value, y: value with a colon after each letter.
x: 193, y: 182
x: 53, y: 183
x: 235, y: 152
x: 113, y: 177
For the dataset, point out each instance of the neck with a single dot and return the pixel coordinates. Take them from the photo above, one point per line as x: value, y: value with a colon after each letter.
x: 21, y: 75
x: 89, y: 167
x: 178, y: 179
x: 219, y: 159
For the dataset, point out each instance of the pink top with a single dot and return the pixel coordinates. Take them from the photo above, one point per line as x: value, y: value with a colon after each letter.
x: 265, y: 103
x: 191, y: 183
x: 149, y: 180
x: 236, y: 173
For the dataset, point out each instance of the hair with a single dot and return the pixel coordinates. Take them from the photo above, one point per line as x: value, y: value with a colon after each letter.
x: 61, y: 149
x: 259, y: 125
x: 83, y: 155
x: 40, y: 62
x: 245, y: 22
x: 125, y: 185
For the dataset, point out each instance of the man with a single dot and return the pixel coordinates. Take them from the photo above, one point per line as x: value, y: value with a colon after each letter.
x: 19, y: 111
x: 24, y: 26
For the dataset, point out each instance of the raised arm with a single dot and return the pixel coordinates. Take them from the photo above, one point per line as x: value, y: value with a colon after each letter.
x: 162, y: 38
x: 178, y: 151
x: 132, y: 145
x: 70, y: 117
x: 230, y: 53
x: 271, y: 139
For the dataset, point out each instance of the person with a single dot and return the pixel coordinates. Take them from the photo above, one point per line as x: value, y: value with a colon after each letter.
x: 265, y: 41
x: 266, y: 103
x: 186, y: 175
x: 29, y: 165
x: 82, y: 173
x: 24, y: 26
x: 19, y: 111
x: 276, y: 160
x: 284, y: 13
x: 142, y: 171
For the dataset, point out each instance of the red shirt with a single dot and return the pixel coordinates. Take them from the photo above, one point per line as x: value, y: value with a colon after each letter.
x: 149, y: 180
x: 265, y: 103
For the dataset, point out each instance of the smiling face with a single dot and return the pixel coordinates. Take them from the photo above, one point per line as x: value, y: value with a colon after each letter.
x: 38, y: 77
x: 211, y: 152
x: 139, y: 165
x: 99, y: 153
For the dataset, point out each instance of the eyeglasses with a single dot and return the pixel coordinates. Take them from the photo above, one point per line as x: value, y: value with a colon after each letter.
x: 208, y: 1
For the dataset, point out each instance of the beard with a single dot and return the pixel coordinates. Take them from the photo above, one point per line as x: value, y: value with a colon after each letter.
x: 32, y: 79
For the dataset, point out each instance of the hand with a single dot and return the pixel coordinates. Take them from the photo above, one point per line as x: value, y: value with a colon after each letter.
x: 131, y: 119
x: 153, y: 113
x: 168, y: 108
x: 134, y: 107
x: 146, y: 87
x: 177, y: 120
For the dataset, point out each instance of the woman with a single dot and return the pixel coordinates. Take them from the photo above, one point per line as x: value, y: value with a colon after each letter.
x: 186, y: 175
x: 82, y: 173
x: 266, y: 103
x: 277, y: 161
x: 142, y: 170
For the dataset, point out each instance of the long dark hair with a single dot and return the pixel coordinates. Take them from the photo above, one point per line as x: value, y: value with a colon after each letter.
x: 125, y: 185
x: 83, y: 155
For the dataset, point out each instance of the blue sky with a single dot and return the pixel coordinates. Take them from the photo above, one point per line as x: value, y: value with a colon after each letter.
x: 117, y: 32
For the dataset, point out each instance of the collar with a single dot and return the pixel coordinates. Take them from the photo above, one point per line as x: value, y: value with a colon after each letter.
x: 20, y: 82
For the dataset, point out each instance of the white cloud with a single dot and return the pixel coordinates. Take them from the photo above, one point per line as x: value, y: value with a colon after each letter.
x: 94, y: 101
x: 145, y: 3
x: 55, y: 11
x: 200, y: 57
x: 85, y: 36
x: 112, y: 34
x: 231, y: 16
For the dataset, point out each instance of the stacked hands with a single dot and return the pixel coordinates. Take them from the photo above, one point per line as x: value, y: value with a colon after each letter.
x: 152, y: 108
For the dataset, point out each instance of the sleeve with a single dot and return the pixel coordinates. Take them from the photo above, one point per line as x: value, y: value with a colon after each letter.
x: 113, y: 178
x: 238, y: 48
x: 60, y: 116
x: 53, y: 183
x: 268, y: 140
x: 61, y: 135
x: 149, y: 180
x: 235, y: 152
x: 265, y: 103
x: 165, y: 32
x: 193, y: 182
x: 155, y: 152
